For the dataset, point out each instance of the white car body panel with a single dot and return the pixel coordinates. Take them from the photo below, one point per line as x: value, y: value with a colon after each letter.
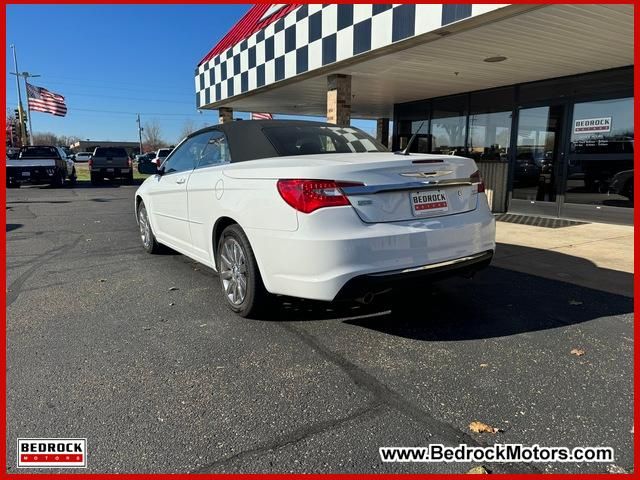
x: 314, y: 255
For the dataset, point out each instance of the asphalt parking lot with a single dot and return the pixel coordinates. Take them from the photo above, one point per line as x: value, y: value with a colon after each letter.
x: 139, y: 354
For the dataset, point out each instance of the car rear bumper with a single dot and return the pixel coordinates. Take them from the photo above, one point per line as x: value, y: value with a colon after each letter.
x: 112, y: 171
x: 359, y: 287
x: 332, y: 250
x: 30, y: 174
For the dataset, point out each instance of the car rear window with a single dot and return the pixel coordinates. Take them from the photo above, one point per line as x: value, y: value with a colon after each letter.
x: 318, y: 139
x: 39, y: 152
x: 163, y: 153
x: 109, y: 152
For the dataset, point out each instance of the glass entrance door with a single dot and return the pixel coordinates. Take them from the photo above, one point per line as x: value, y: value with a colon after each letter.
x: 536, y: 165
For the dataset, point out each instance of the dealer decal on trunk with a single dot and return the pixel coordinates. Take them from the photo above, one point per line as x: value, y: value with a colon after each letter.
x: 423, y: 202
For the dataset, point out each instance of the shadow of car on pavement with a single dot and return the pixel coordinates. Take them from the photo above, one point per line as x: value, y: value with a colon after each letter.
x: 496, y: 302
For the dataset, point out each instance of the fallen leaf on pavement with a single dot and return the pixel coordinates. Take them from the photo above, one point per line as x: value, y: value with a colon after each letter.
x: 171, y: 289
x: 479, y: 469
x: 615, y: 469
x: 484, y: 365
x: 479, y: 427
x: 577, y: 352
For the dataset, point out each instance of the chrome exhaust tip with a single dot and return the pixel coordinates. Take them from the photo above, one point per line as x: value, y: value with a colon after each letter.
x: 366, y: 299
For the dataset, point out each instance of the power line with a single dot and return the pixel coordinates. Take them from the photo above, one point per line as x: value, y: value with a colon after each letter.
x: 117, y: 97
x: 127, y: 98
x: 111, y: 85
x: 119, y: 112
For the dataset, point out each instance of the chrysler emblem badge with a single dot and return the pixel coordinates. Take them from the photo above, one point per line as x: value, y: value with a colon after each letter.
x: 438, y: 173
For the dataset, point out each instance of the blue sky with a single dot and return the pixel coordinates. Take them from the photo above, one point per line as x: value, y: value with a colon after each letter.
x: 112, y: 61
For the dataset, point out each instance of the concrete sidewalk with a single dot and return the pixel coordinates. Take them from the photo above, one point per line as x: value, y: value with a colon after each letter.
x: 595, y: 255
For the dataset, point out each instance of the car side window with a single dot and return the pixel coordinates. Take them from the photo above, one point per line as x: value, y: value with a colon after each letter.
x: 185, y: 157
x: 216, y: 152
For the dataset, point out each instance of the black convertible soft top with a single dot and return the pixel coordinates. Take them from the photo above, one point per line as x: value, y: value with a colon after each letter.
x: 247, y: 140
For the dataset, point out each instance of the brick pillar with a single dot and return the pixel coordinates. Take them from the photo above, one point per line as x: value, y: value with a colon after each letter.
x: 225, y: 114
x: 339, y: 99
x: 382, y: 131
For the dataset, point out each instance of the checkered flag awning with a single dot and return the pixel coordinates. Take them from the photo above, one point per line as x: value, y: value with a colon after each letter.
x: 287, y: 40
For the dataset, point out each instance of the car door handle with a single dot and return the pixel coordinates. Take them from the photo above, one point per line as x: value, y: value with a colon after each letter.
x: 181, y: 180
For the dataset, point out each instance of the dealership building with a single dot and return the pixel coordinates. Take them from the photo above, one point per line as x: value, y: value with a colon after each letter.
x: 540, y: 96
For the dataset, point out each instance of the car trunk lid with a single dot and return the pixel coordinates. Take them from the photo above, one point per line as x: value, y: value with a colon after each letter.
x: 394, y: 187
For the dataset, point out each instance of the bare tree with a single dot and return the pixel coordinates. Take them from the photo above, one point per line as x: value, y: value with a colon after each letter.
x: 187, y: 129
x: 152, y: 135
x: 45, y: 138
x: 68, y: 140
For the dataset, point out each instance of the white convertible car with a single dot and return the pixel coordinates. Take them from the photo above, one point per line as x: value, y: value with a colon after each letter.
x: 312, y: 210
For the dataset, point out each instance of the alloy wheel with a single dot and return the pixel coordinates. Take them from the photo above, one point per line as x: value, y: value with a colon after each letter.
x: 145, y: 228
x: 233, y: 271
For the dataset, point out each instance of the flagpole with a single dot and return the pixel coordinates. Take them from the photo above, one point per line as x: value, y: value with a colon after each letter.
x: 23, y: 134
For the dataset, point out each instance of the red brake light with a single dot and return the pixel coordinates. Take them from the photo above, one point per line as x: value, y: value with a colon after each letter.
x: 90, y: 162
x: 307, y: 196
x: 476, y: 178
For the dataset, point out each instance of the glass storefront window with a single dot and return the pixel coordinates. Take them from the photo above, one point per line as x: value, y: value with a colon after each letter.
x: 448, y: 133
x: 603, y: 127
x: 489, y: 136
x: 449, y: 126
x: 600, y: 167
x: 409, y: 127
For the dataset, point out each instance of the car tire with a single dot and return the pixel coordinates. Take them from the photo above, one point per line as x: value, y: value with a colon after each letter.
x: 95, y: 179
x: 149, y: 241
x: 58, y: 180
x: 13, y: 185
x: 237, y: 266
x: 130, y: 179
x: 74, y: 177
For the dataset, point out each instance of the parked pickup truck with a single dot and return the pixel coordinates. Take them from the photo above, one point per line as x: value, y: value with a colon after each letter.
x: 40, y: 164
x: 110, y: 162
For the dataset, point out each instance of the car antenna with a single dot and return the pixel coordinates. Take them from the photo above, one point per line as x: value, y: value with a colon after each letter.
x: 413, y: 137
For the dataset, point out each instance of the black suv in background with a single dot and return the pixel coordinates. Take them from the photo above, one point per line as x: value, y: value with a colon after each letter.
x: 110, y: 162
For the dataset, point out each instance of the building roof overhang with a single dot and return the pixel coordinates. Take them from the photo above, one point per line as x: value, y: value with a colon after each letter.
x: 538, y: 41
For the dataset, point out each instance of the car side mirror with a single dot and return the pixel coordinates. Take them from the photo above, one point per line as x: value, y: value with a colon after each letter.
x: 149, y: 168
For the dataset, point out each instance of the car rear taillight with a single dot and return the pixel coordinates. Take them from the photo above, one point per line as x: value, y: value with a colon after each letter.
x: 90, y: 161
x: 476, y: 179
x: 129, y: 162
x: 307, y: 196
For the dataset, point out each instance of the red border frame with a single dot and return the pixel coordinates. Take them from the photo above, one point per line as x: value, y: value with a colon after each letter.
x: 3, y: 357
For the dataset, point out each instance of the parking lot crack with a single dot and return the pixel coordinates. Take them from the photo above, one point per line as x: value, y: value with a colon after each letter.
x: 15, y: 289
x: 386, y: 396
x: 295, y: 436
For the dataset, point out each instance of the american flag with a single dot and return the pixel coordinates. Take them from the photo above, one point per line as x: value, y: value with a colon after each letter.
x: 261, y: 116
x: 42, y: 100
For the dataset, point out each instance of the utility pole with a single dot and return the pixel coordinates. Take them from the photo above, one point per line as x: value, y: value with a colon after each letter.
x: 23, y: 132
x: 140, y: 129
